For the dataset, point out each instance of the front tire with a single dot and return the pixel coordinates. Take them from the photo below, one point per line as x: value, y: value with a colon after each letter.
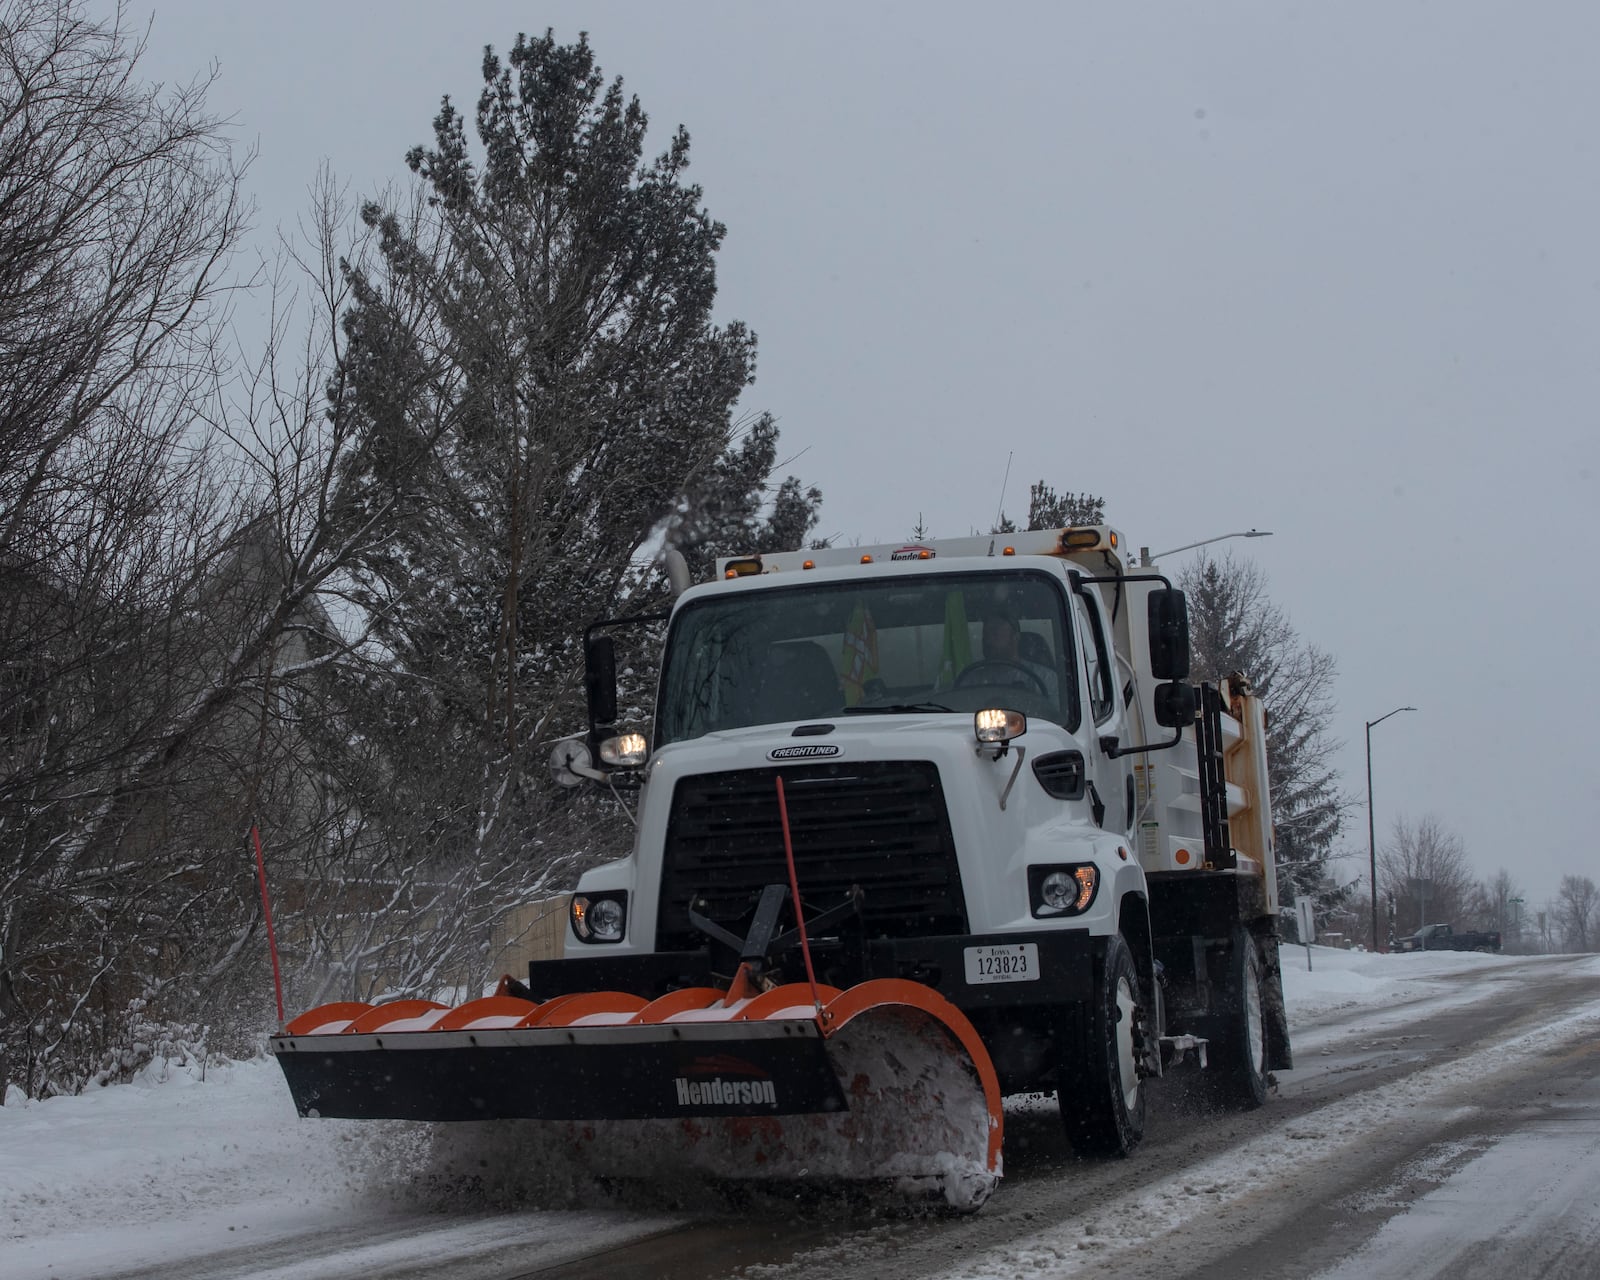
x: 1100, y: 1091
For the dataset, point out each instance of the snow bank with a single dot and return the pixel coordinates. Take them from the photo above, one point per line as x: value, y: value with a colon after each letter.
x: 108, y: 1179
x: 174, y: 1167
x: 1340, y: 980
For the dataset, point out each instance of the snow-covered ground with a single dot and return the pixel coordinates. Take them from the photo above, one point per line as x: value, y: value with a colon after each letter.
x: 174, y: 1165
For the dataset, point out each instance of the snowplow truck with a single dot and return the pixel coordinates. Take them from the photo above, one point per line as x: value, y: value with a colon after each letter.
x: 916, y: 827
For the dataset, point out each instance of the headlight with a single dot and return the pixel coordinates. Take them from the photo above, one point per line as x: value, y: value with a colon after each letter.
x: 997, y: 726
x: 625, y: 751
x: 1063, y: 890
x: 605, y: 918
x: 599, y: 917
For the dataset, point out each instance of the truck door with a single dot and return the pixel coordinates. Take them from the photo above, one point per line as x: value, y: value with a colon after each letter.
x: 1111, y: 778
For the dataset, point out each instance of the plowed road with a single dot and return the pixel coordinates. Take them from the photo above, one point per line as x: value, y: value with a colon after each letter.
x: 1457, y: 1134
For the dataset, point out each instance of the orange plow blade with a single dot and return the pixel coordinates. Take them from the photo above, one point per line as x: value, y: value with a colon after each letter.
x: 883, y: 1081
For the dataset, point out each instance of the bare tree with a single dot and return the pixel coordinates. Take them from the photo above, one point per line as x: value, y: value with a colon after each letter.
x: 1235, y: 626
x: 1577, y: 903
x: 120, y: 207
x: 1422, y: 870
x: 1497, y: 905
x: 119, y: 210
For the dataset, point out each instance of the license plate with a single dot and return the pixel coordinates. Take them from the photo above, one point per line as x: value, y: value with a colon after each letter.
x: 1019, y: 963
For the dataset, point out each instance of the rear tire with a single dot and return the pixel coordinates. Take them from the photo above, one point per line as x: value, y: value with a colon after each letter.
x: 1238, y: 1051
x: 1100, y: 1091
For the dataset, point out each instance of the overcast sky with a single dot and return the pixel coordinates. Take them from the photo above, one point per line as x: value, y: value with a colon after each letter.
x: 1331, y: 271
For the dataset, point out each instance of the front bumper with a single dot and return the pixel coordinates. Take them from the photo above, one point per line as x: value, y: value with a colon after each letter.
x: 1065, y: 973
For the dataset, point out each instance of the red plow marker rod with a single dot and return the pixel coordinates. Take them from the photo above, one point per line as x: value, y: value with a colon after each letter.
x: 266, y: 911
x: 794, y: 890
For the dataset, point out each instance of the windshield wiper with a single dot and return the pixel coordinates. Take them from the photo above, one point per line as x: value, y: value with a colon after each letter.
x: 896, y: 707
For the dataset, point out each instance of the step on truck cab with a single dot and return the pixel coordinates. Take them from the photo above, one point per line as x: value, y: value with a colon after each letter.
x: 971, y: 764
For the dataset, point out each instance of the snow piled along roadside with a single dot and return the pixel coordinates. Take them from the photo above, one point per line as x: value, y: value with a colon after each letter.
x: 172, y: 1166
x: 91, y: 1180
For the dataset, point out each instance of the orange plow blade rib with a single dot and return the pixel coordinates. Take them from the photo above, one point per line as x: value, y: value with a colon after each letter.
x: 884, y: 1081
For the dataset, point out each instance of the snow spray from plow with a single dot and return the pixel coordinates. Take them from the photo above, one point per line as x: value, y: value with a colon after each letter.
x: 882, y: 1081
x: 887, y: 1081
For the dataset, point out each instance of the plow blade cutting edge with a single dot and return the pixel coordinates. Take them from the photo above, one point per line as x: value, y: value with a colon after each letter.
x: 883, y: 1081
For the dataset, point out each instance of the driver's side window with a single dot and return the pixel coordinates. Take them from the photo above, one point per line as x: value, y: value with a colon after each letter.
x: 1096, y: 660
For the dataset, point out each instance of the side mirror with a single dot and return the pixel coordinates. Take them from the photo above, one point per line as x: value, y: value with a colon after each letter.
x: 600, y: 679
x: 1168, y: 615
x: 1175, y: 705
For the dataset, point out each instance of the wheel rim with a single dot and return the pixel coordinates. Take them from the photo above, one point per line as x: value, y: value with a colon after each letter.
x: 1127, y: 1074
x: 1255, y: 1023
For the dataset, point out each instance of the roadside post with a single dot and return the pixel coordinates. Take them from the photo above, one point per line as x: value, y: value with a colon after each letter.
x: 1308, y: 925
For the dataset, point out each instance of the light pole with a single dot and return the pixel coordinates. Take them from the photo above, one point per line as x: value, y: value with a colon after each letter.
x: 1146, y: 559
x: 1372, y: 841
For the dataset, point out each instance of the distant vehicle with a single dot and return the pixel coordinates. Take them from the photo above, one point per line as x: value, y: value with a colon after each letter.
x: 1443, y: 937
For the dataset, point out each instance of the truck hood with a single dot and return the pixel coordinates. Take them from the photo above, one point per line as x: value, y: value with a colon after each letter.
x: 999, y: 814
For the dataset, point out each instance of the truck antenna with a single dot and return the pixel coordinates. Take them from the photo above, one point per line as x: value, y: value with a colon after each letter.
x: 1000, y: 510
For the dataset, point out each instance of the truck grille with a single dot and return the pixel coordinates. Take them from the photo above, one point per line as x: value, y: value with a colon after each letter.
x: 880, y: 825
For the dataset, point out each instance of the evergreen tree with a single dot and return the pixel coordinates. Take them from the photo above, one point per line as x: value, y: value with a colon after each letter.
x: 728, y: 513
x: 1048, y: 509
x: 545, y: 341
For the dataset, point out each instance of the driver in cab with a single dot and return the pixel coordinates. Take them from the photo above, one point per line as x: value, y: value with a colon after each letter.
x: 1003, y: 642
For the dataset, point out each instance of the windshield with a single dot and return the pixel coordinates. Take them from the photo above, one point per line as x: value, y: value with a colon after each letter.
x: 947, y: 642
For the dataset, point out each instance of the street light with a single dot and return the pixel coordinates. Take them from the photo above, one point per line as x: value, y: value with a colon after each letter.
x: 1147, y: 559
x: 1372, y: 841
